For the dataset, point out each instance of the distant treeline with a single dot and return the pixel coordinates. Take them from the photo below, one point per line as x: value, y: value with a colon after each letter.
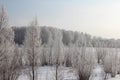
x: 69, y: 38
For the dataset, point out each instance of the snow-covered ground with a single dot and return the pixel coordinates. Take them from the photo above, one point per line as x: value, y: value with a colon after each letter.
x: 64, y: 73
x: 117, y: 77
x: 48, y: 73
x: 97, y: 73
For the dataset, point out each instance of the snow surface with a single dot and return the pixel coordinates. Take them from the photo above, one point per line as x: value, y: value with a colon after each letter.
x: 48, y: 73
x: 97, y: 73
x: 117, y: 77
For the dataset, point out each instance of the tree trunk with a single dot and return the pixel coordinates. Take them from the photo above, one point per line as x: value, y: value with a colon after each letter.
x: 56, y: 75
x: 33, y: 65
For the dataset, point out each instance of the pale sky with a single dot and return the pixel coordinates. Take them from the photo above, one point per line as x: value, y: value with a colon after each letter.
x: 96, y: 17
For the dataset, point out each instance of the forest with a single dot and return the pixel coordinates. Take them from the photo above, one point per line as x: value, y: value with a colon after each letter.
x: 69, y: 38
x: 34, y: 46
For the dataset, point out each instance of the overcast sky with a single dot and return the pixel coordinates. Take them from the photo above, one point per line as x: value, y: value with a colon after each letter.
x: 97, y: 17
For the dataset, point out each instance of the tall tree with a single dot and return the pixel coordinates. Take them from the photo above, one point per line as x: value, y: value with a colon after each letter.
x: 57, y: 51
x: 32, y: 44
x: 6, y: 45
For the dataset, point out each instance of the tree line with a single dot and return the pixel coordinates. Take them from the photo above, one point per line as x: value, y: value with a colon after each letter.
x: 68, y: 37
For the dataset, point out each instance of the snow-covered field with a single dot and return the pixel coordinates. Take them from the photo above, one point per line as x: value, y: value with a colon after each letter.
x: 97, y: 73
x: 64, y: 73
x: 117, y: 77
x: 48, y: 73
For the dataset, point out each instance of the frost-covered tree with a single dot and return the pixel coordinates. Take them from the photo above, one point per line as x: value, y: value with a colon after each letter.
x: 19, y: 35
x: 57, y: 51
x: 101, y: 53
x: 32, y: 44
x: 68, y: 38
x: 111, y: 62
x: 16, y: 64
x: 57, y: 48
x: 67, y: 57
x: 86, y: 62
x: 6, y: 46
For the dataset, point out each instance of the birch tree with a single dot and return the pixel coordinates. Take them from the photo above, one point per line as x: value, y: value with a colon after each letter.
x: 32, y: 45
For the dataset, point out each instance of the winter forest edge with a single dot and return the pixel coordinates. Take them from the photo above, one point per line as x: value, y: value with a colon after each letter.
x: 28, y: 48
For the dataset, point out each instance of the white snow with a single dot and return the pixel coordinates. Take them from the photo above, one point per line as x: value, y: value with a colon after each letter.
x: 117, y: 77
x: 47, y: 72
x: 23, y: 77
x: 97, y: 73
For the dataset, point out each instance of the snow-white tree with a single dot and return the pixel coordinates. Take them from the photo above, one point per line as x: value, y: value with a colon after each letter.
x: 57, y: 51
x: 111, y: 62
x: 101, y: 53
x: 6, y: 45
x: 16, y: 64
x: 67, y: 57
x: 32, y: 44
x: 86, y: 62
